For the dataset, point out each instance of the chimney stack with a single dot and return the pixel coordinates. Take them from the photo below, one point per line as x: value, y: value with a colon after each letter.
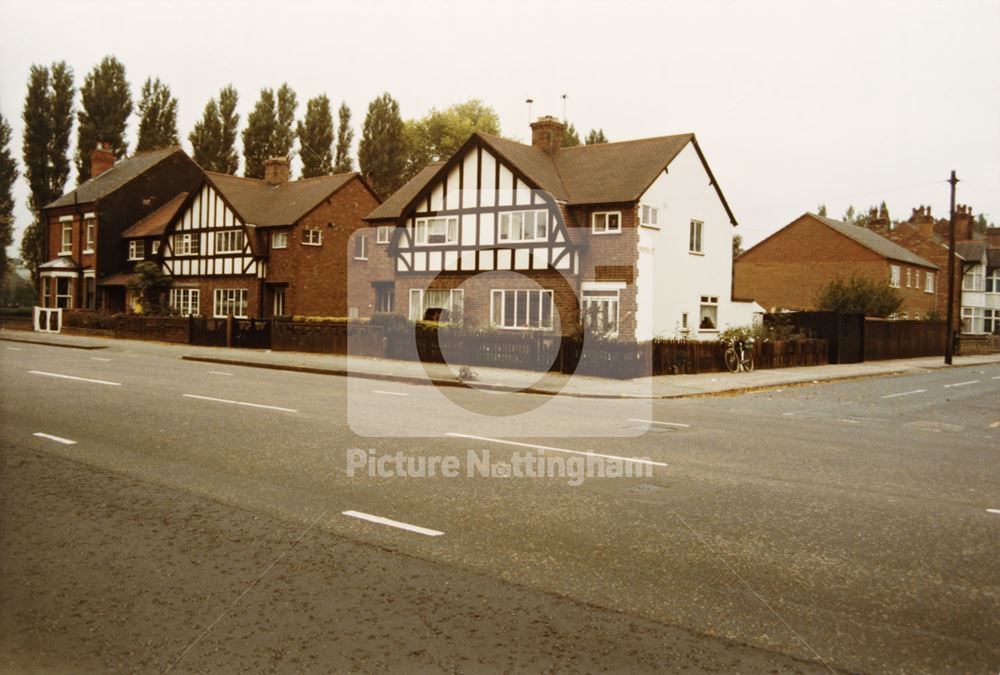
x: 878, y: 221
x: 964, y: 223
x: 102, y: 158
x: 923, y: 221
x: 547, y: 133
x: 276, y: 170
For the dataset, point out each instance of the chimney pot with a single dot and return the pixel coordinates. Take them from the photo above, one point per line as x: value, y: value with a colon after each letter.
x: 277, y: 170
x: 102, y: 158
x: 547, y: 133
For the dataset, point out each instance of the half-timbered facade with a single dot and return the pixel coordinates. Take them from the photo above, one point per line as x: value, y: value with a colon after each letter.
x: 633, y: 239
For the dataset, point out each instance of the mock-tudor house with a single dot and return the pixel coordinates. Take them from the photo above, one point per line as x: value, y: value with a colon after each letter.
x: 258, y: 248
x: 86, y: 266
x: 788, y: 269
x: 633, y: 238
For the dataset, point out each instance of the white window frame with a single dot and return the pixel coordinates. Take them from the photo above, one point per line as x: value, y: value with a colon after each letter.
x: 224, y: 298
x: 385, y: 292
x: 909, y: 277
x: 974, y: 279
x: 696, y: 237
x: 89, y: 232
x: 312, y: 236
x: 185, y: 301
x: 992, y: 279
x: 154, y: 247
x: 422, y: 230
x: 279, y: 302
x: 68, y: 295
x: 230, y: 241
x: 649, y: 215
x: 383, y: 233
x: 599, y: 222
x: 66, y: 235
x: 894, y: 275
x: 502, y: 299
x: 418, y: 307
x: 991, y: 321
x: 710, y: 301
x: 187, y: 243
x: 607, y: 297
x: 508, y: 230
x: 361, y: 247
x: 279, y: 239
x: 929, y: 282
x: 974, y: 315
x: 136, y: 249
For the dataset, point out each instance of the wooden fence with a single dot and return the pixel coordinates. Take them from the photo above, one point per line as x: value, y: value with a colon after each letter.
x: 886, y: 339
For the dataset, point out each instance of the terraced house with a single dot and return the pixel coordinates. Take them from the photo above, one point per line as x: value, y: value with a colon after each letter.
x: 632, y: 238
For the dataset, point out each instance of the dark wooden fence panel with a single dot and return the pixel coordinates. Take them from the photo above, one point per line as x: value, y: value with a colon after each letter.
x: 843, y: 332
x: 207, y: 332
x: 886, y: 339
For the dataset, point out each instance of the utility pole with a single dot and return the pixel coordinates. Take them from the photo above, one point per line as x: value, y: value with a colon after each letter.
x: 950, y: 344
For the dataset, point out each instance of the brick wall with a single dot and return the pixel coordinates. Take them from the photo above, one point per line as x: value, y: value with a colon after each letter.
x: 361, y: 273
x: 207, y: 286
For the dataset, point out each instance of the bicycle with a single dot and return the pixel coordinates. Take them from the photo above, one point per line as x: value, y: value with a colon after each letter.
x: 739, y: 356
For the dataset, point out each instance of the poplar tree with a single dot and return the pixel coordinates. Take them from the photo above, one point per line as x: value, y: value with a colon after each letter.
x: 8, y: 174
x: 214, y: 136
x: 157, y: 116
x: 269, y: 131
x: 596, y: 136
x: 107, y: 104
x: 316, y: 138
x: 382, y: 152
x: 570, y: 136
x: 345, y: 135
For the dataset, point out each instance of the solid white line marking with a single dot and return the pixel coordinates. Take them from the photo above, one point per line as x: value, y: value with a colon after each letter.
x: 905, y: 393
x: 392, y: 523
x: 961, y: 384
x: 546, y: 447
x: 666, y: 424
x: 18, y: 349
x: 997, y: 511
x: 389, y: 393
x: 57, y: 439
x: 99, y: 358
x: 243, y: 403
x: 72, y: 377
x: 219, y: 372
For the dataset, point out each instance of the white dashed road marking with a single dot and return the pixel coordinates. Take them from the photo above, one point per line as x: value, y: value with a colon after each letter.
x: 18, y: 349
x: 243, y: 403
x: 57, y: 439
x: 996, y: 511
x: 73, y: 377
x: 666, y: 424
x: 99, y: 358
x: 219, y: 372
x: 392, y: 523
x: 389, y: 393
x: 547, y: 447
x: 960, y: 384
x: 905, y: 393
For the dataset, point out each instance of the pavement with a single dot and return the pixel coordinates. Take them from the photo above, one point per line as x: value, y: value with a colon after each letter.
x: 509, y: 380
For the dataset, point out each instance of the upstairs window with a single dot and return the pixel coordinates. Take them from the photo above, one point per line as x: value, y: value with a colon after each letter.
x: 90, y: 233
x: 279, y: 239
x: 606, y: 222
x: 155, y: 247
x: 524, y: 226
x: 186, y: 244
x: 973, y: 279
x: 650, y: 214
x: 695, y: 237
x: 929, y: 282
x: 894, y: 276
x: 437, y: 230
x: 909, y: 277
x: 361, y: 247
x: 136, y: 249
x: 312, y: 237
x: 66, y: 238
x: 382, y: 234
x: 229, y: 241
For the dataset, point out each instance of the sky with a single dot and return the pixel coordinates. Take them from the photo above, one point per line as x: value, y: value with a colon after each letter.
x: 794, y: 103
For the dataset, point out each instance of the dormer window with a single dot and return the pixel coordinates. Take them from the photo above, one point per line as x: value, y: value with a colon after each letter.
x: 136, y: 249
x: 437, y: 230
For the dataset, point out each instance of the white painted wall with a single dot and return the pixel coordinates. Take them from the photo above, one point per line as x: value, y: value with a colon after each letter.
x: 670, y: 280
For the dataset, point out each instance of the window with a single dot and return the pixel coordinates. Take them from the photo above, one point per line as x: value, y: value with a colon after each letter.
x: 916, y: 278
x: 601, y: 311
x: 991, y: 321
x: 279, y: 302
x: 89, y: 297
x: 606, y: 222
x: 445, y: 306
x: 279, y: 239
x: 66, y: 240
x: 90, y: 229
x: 155, y: 247
x: 894, y: 276
x: 384, y: 299
x: 229, y: 241
x: 695, y: 240
x: 230, y: 301
x: 437, y: 230
x: 521, y: 309
x: 312, y: 237
x: 649, y: 215
x: 361, y: 247
x: 382, y: 234
x: 929, y: 282
x: 186, y: 244
x: 709, y: 315
x: 909, y: 278
x: 524, y: 226
x: 972, y: 319
x: 993, y: 281
x: 973, y: 279
x: 136, y: 249
x: 64, y: 292
x: 185, y: 301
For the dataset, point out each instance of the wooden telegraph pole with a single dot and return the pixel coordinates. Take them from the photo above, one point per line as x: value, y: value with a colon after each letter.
x: 950, y: 344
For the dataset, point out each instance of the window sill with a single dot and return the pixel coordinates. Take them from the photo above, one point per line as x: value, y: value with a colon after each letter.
x: 698, y: 253
x: 65, y: 252
x: 361, y: 259
x: 278, y: 248
x: 618, y: 231
x: 88, y: 251
x: 708, y: 330
x: 306, y: 243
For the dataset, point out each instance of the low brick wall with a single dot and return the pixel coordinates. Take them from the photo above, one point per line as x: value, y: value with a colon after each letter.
x: 978, y: 344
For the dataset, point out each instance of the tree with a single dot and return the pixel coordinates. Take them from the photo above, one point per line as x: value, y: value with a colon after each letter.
x: 107, y: 104
x: 439, y: 134
x: 157, y: 116
x: 570, y: 136
x: 8, y: 174
x: 821, y: 210
x: 48, y: 124
x: 382, y: 152
x: 269, y: 130
x: 859, y: 294
x: 596, y: 136
x: 150, y: 284
x: 316, y: 138
x: 214, y: 136
x: 737, y: 245
x: 345, y: 135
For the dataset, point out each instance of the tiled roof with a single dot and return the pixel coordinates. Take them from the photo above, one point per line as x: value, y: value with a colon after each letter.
x: 156, y: 222
x: 398, y: 200
x: 993, y: 257
x: 263, y: 204
x: 970, y: 251
x: 118, y: 279
x: 117, y: 176
x: 60, y: 263
x: 874, y: 242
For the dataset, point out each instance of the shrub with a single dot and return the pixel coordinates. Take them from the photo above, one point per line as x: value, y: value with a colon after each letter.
x: 859, y: 294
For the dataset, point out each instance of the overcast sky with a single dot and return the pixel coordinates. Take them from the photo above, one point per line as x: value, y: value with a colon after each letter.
x: 794, y: 103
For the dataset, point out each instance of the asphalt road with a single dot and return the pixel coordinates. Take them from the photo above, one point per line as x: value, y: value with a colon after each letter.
x: 842, y: 525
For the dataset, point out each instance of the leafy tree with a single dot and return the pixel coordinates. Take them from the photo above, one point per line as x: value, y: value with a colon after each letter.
x: 48, y: 123
x: 345, y: 135
x: 439, y: 134
x: 269, y: 130
x: 316, y: 138
x: 8, y: 174
x: 157, y: 116
x: 214, y: 136
x: 821, y: 210
x: 981, y: 223
x: 107, y: 104
x: 570, y: 136
x: 737, y: 245
x: 859, y: 294
x: 382, y: 151
x: 151, y: 285
x: 16, y: 291
x: 596, y: 136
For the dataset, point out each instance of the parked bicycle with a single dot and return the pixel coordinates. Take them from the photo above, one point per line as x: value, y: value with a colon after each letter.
x: 739, y: 355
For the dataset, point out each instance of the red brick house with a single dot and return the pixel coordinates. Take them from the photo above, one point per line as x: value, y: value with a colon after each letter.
x: 633, y: 238
x: 789, y: 268
x: 87, y: 255
x: 260, y: 248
